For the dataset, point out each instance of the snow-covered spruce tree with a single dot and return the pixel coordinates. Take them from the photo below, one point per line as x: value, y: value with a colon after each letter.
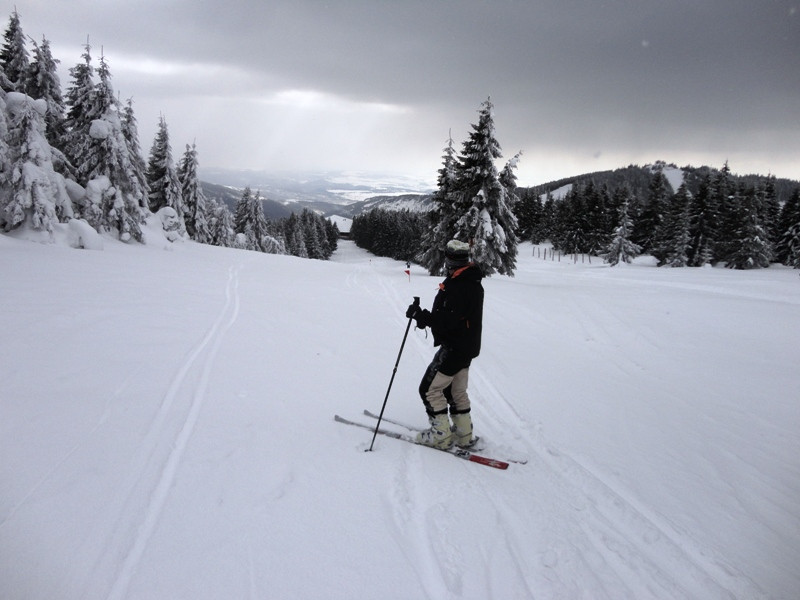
x: 45, y: 84
x: 220, y: 225
x: 599, y: 218
x: 771, y: 211
x: 789, y: 218
x: 621, y: 248
x: 193, y: 198
x: 273, y: 243
x: 544, y: 227
x: 138, y: 175
x: 703, y: 218
x: 751, y: 247
x: 295, y: 237
x: 487, y: 219
x: 321, y: 226
x: 529, y: 211
x: 5, y: 165
x: 793, y: 242
x: 677, y: 243
x: 162, y: 179
x: 571, y: 224
x: 106, y: 170
x: 314, y: 240
x: 441, y: 218
x: 332, y: 231
x: 81, y: 111
x: 80, y: 98
x: 251, y: 223
x: 649, y: 221
x: 14, y: 58
x: 724, y: 197
x: 34, y: 194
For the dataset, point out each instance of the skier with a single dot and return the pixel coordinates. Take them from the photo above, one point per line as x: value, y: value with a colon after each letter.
x: 455, y: 320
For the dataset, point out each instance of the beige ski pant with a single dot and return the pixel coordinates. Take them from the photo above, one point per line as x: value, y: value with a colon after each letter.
x: 440, y: 390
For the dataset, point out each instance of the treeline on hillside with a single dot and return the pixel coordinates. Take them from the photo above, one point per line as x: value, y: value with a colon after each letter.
x: 307, y: 235
x: 739, y: 223
x: 76, y: 155
x: 392, y: 233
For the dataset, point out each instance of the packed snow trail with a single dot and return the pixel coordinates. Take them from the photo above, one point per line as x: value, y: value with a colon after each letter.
x: 166, y: 431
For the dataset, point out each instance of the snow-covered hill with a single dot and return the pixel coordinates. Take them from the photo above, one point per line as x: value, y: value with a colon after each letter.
x: 167, y: 431
x: 336, y: 188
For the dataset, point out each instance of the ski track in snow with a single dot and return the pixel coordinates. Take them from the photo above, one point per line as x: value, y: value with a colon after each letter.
x: 181, y: 385
x: 627, y: 540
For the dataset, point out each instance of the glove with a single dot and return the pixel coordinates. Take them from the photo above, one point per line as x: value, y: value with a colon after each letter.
x: 412, y: 310
x: 423, y: 318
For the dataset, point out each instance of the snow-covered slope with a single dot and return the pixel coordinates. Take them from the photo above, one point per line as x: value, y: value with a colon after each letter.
x: 167, y: 431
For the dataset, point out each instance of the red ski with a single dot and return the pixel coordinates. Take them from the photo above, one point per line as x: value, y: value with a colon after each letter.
x: 455, y: 450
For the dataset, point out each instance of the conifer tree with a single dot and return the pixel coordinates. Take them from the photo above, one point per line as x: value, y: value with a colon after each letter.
x: 5, y: 159
x: 138, y: 175
x: 81, y: 110
x: 106, y: 162
x: 295, y: 237
x: 529, y: 212
x: 45, y: 84
x: 193, y: 198
x: 332, y: 231
x: 750, y: 248
x: 598, y: 224
x: 677, y: 229
x: 652, y: 215
x: 36, y: 195
x: 486, y: 206
x: 221, y: 225
x: 570, y: 223
x: 621, y: 248
x: 442, y: 217
x: 793, y: 243
x: 312, y: 235
x: 273, y: 243
x: 14, y: 57
x: 789, y: 218
x: 327, y: 244
x: 703, y: 218
x: 251, y: 222
x: 546, y: 226
x: 162, y: 179
x: 771, y: 210
x: 723, y: 196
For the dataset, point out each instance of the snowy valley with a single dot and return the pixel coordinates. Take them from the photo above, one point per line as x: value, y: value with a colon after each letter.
x: 167, y: 430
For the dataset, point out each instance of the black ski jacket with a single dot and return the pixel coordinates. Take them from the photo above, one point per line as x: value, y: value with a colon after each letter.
x: 456, y: 318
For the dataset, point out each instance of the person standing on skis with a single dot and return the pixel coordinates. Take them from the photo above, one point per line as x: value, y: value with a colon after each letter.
x: 455, y: 320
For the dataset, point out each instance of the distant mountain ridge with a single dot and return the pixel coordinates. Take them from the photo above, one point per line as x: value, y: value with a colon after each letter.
x: 348, y: 194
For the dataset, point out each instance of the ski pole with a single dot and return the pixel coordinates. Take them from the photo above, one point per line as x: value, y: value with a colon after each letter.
x: 397, y: 362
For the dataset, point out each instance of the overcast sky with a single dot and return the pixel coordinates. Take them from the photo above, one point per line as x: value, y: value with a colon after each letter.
x: 375, y: 85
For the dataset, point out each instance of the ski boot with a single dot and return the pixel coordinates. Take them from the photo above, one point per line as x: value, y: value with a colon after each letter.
x: 462, y: 430
x: 439, y: 434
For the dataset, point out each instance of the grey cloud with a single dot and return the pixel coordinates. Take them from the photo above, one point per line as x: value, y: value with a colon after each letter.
x: 588, y: 74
